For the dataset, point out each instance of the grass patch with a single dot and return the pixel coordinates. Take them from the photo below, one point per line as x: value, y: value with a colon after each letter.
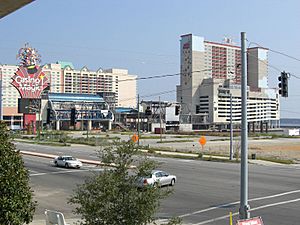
x: 186, y: 136
x: 276, y: 160
x: 177, y: 156
x: 174, y: 141
x: 151, y: 137
x: 221, y: 139
x: 43, y: 143
x: 146, y: 147
x: 102, y: 136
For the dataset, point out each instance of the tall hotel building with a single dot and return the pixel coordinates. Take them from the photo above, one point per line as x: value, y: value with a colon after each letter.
x: 116, y: 83
x: 211, y: 73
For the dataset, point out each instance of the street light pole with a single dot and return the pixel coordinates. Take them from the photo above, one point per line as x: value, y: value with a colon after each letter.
x: 244, y: 212
x: 1, y: 97
x: 160, y: 125
x: 138, y: 125
x: 231, y: 130
x: 40, y: 124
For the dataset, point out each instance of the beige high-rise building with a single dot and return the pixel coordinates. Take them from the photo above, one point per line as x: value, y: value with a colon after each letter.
x: 211, y: 72
x: 9, y: 96
x: 66, y: 79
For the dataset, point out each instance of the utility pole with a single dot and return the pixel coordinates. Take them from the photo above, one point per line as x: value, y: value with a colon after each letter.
x: 138, y: 125
x: 160, y: 121
x: 244, y: 212
x: 41, y: 119
x: 1, y: 100
x: 87, y: 121
x: 231, y: 130
x: 1, y: 97
x: 82, y: 116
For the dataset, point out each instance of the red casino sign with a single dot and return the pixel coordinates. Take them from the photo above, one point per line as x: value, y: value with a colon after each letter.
x: 30, y: 81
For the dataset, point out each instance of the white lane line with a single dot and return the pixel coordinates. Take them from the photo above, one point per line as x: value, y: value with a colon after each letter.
x: 215, y: 219
x: 275, y: 204
x: 237, y: 202
x: 33, y: 171
x: 254, y: 209
x: 274, y: 196
x: 62, y: 172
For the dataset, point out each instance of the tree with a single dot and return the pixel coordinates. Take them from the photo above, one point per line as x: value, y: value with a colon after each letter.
x: 16, y: 199
x: 111, y: 197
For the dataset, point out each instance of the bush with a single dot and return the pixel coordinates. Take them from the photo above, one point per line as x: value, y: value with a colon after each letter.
x: 112, y: 197
x: 16, y: 199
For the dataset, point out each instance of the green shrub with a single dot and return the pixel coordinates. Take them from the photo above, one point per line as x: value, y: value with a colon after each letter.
x: 16, y: 199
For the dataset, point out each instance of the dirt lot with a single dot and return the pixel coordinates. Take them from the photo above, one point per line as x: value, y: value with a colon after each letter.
x: 283, y: 148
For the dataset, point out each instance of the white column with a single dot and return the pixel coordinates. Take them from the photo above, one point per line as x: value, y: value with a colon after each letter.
x: 89, y: 127
x: 57, y: 125
x: 12, y: 122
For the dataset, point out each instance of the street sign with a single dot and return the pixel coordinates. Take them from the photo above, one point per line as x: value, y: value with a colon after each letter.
x: 202, y: 141
x: 135, y: 138
x: 252, y: 221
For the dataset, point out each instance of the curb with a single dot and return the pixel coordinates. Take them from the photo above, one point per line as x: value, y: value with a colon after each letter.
x: 94, y: 162
x: 87, y: 161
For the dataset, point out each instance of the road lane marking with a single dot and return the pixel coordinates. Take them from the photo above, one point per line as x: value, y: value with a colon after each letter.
x: 254, y: 209
x: 237, y: 202
x: 62, y: 172
x: 215, y: 219
x: 33, y: 171
x: 275, y: 204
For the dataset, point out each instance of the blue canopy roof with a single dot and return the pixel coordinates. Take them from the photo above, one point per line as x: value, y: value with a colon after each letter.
x: 125, y: 110
x: 71, y: 97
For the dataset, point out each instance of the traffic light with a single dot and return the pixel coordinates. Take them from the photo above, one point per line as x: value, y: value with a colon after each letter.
x: 283, y: 84
x: 48, y: 116
x: 148, y: 111
x: 177, y: 110
x: 72, y: 122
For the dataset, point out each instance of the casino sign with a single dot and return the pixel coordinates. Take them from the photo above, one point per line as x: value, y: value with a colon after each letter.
x: 30, y: 81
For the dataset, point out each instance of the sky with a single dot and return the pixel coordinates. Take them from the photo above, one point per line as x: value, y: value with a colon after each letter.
x: 143, y: 36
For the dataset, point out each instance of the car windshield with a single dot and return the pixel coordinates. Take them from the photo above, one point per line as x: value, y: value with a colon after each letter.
x: 70, y: 158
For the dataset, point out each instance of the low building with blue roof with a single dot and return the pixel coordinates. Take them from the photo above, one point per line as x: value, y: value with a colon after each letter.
x: 78, y: 111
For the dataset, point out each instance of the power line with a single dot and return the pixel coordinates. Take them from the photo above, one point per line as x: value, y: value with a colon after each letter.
x: 284, y: 110
x: 278, y: 52
x: 145, y: 78
x: 275, y: 51
x: 272, y: 66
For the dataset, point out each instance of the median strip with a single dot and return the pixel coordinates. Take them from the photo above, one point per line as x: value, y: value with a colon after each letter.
x: 87, y: 161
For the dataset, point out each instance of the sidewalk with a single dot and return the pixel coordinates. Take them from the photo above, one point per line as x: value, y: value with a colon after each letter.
x: 73, y: 222
x: 43, y: 222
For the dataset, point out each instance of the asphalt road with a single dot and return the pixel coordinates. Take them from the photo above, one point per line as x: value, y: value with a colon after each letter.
x: 205, y: 193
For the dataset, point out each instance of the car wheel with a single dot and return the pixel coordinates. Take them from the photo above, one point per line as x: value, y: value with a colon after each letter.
x: 77, y: 167
x: 156, y: 185
x: 55, y: 163
x: 67, y: 165
x: 172, y: 182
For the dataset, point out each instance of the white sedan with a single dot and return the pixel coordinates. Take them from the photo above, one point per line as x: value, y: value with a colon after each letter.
x: 158, y: 178
x: 67, y: 161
